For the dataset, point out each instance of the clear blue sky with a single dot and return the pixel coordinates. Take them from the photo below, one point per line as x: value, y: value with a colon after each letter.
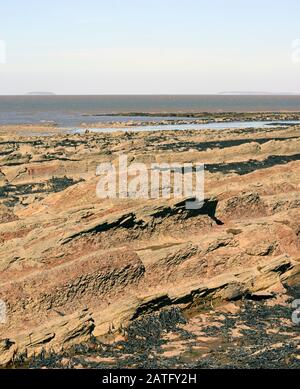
x: 150, y: 46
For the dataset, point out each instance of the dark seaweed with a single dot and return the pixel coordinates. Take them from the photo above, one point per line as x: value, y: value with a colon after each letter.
x: 144, y: 340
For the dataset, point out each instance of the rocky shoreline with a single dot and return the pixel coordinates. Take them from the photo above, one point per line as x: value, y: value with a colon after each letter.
x: 245, y: 335
x: 92, y: 282
x: 188, y: 118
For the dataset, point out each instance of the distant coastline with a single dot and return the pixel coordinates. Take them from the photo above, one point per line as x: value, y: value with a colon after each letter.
x: 256, y: 93
x: 40, y: 94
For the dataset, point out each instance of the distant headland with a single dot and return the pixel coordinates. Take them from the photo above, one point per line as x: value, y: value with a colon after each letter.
x: 40, y: 94
x: 255, y: 93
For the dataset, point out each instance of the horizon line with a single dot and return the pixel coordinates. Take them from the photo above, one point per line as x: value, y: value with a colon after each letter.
x: 151, y: 94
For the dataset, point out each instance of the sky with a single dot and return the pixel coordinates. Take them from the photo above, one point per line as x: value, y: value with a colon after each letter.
x: 149, y: 46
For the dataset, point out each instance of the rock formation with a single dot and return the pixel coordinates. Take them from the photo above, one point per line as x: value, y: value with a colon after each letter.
x: 75, y: 267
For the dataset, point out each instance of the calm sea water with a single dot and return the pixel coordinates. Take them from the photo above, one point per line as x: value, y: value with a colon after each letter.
x: 217, y: 126
x: 68, y: 111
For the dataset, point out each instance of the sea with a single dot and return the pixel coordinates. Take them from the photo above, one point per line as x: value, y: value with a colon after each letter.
x: 72, y: 111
